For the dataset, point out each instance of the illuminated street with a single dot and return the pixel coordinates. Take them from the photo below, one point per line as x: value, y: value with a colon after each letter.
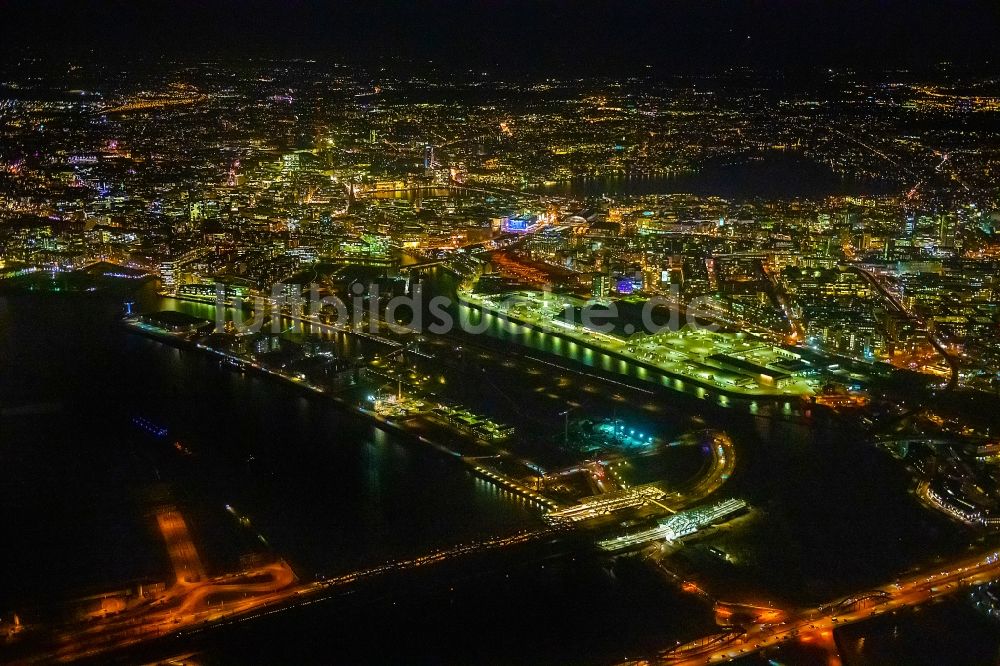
x: 235, y: 597
x: 805, y: 625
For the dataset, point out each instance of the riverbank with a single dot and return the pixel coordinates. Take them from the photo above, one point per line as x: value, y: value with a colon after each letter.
x: 743, y: 398
x: 240, y: 364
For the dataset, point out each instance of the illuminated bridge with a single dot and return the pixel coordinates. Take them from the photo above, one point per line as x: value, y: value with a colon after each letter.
x: 427, y: 263
x: 683, y: 652
x: 600, y: 505
x: 859, y: 602
x: 676, y: 526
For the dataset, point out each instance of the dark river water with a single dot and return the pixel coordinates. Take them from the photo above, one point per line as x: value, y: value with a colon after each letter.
x: 772, y: 176
x: 325, y: 489
x: 330, y: 493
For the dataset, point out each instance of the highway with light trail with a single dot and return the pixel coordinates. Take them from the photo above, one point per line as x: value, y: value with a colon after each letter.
x: 807, y: 624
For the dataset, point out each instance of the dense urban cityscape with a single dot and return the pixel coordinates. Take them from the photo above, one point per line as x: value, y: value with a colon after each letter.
x: 504, y: 364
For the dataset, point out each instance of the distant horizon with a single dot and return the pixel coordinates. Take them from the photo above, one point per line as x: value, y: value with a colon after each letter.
x: 590, y: 38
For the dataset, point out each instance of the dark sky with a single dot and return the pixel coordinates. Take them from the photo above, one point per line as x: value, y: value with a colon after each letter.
x: 567, y: 35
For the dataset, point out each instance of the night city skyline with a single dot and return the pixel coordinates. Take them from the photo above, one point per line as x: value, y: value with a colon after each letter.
x: 500, y: 332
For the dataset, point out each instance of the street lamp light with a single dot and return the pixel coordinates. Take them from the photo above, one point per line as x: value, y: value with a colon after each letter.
x: 565, y: 415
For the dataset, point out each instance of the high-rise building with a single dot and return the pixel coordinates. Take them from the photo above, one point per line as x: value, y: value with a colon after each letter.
x: 601, y: 285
